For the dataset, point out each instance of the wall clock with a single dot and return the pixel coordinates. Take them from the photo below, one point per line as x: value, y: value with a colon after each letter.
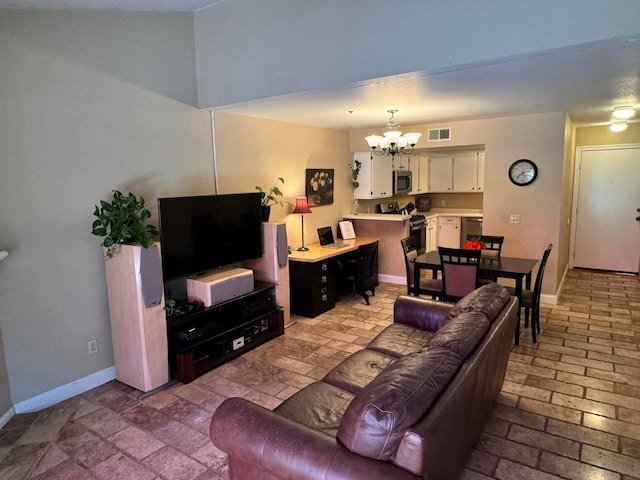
x: 523, y: 172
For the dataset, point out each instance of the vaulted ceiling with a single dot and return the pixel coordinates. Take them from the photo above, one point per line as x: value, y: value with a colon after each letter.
x: 585, y: 80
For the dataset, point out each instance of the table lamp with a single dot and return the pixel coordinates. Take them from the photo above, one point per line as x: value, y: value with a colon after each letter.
x: 302, y: 207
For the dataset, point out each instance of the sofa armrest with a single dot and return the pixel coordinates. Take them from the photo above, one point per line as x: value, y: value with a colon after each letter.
x: 285, y: 449
x: 420, y: 312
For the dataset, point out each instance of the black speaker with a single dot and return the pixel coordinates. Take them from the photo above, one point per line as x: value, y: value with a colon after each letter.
x: 151, y: 276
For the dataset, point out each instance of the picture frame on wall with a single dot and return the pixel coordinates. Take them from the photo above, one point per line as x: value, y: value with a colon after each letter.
x: 319, y: 186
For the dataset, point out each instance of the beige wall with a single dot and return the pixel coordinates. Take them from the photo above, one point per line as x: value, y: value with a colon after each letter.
x: 252, y: 151
x: 79, y: 118
x: 602, y: 135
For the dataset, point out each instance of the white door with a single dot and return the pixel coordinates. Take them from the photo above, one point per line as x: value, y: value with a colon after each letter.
x: 607, y: 221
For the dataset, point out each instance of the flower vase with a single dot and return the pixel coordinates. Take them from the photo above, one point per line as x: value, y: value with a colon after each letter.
x: 355, y: 205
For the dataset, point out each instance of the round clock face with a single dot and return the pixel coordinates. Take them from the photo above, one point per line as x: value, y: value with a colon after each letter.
x: 523, y: 172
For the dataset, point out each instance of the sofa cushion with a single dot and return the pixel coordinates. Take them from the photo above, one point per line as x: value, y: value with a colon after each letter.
x: 399, y: 340
x: 461, y: 334
x: 489, y: 299
x: 357, y: 370
x: 319, y: 406
x: 376, y: 419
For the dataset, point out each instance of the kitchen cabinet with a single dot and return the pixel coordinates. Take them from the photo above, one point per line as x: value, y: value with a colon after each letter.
x: 432, y: 233
x: 419, y: 174
x: 401, y: 162
x: 376, y: 176
x: 460, y: 172
x: 440, y: 174
x: 448, y: 231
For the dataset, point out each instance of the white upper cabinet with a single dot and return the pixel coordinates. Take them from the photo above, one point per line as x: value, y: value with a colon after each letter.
x: 401, y: 162
x: 465, y: 173
x: 376, y: 176
x: 440, y: 174
x: 419, y: 174
x: 460, y: 172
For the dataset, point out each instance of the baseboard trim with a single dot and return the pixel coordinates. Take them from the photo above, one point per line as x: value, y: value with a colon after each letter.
x: 392, y: 279
x: 550, y: 299
x: 4, y: 419
x: 63, y: 392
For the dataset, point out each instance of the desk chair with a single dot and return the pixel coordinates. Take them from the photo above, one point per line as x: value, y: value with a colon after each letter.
x: 459, y: 272
x: 531, y: 298
x: 360, y: 270
x: 428, y: 286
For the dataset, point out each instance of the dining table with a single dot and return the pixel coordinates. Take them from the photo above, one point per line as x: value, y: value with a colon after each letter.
x: 517, y: 269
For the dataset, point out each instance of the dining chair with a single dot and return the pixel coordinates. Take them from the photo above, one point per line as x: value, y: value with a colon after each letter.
x: 492, y: 247
x: 459, y: 272
x: 428, y: 286
x: 360, y: 271
x: 531, y: 298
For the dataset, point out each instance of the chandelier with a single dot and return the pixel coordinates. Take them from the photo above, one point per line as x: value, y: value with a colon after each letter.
x: 393, y: 142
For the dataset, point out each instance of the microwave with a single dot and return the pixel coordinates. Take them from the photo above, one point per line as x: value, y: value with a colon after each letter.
x: 401, y: 182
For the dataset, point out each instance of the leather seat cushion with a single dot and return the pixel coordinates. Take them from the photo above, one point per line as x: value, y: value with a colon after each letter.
x: 375, y: 421
x: 319, y: 406
x: 357, y: 370
x: 462, y: 333
x: 399, y: 340
x: 488, y: 300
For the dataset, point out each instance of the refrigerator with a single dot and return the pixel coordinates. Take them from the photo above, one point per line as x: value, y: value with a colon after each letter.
x: 274, y: 265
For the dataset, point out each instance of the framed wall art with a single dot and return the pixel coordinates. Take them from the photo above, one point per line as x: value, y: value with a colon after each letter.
x: 319, y: 186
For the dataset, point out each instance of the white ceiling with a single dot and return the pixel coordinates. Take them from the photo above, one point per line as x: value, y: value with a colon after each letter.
x: 586, y: 81
x: 130, y: 5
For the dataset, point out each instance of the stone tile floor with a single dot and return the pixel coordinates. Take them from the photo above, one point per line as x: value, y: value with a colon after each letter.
x: 569, y: 407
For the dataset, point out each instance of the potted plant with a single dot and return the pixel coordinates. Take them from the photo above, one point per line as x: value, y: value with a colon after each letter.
x: 355, y: 171
x: 123, y: 220
x: 270, y: 197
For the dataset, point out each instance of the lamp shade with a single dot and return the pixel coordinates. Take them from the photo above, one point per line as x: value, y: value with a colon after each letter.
x: 301, y: 205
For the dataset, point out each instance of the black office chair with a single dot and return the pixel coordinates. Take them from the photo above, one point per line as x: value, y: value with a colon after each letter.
x: 428, y: 286
x: 360, y: 271
x: 459, y: 272
x: 531, y: 298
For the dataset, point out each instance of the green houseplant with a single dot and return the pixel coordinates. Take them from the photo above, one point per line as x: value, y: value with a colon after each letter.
x: 270, y: 197
x: 123, y: 220
x: 355, y: 171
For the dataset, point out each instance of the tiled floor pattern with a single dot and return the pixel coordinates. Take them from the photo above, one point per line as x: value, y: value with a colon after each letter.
x: 569, y: 408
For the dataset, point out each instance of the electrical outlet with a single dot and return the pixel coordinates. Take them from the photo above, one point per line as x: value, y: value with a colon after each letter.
x: 92, y: 345
x: 443, y: 203
x: 515, y: 219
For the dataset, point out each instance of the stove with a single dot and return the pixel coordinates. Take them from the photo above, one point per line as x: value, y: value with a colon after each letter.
x: 417, y: 220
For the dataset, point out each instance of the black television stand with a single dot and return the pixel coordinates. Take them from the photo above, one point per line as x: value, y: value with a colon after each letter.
x: 204, y: 339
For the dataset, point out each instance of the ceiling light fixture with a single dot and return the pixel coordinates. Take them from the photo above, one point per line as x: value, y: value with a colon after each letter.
x: 623, y: 112
x: 618, y: 126
x: 393, y: 142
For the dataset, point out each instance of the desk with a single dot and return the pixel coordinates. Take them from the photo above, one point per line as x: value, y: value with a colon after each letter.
x: 502, y: 267
x: 312, y: 276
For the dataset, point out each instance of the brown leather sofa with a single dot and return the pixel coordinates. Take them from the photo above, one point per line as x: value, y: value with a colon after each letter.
x: 412, y: 404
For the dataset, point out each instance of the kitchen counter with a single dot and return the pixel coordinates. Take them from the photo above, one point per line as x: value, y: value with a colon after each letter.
x: 388, y: 217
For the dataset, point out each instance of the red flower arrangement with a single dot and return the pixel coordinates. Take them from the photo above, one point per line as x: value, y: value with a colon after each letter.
x: 472, y: 245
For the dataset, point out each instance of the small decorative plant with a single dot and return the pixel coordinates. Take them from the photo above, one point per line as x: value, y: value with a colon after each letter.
x: 273, y: 195
x: 123, y: 220
x: 355, y: 171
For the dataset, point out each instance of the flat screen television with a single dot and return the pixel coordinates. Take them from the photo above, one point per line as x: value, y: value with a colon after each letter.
x: 201, y: 233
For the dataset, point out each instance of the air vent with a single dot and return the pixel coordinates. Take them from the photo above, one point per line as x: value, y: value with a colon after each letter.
x: 439, y: 134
